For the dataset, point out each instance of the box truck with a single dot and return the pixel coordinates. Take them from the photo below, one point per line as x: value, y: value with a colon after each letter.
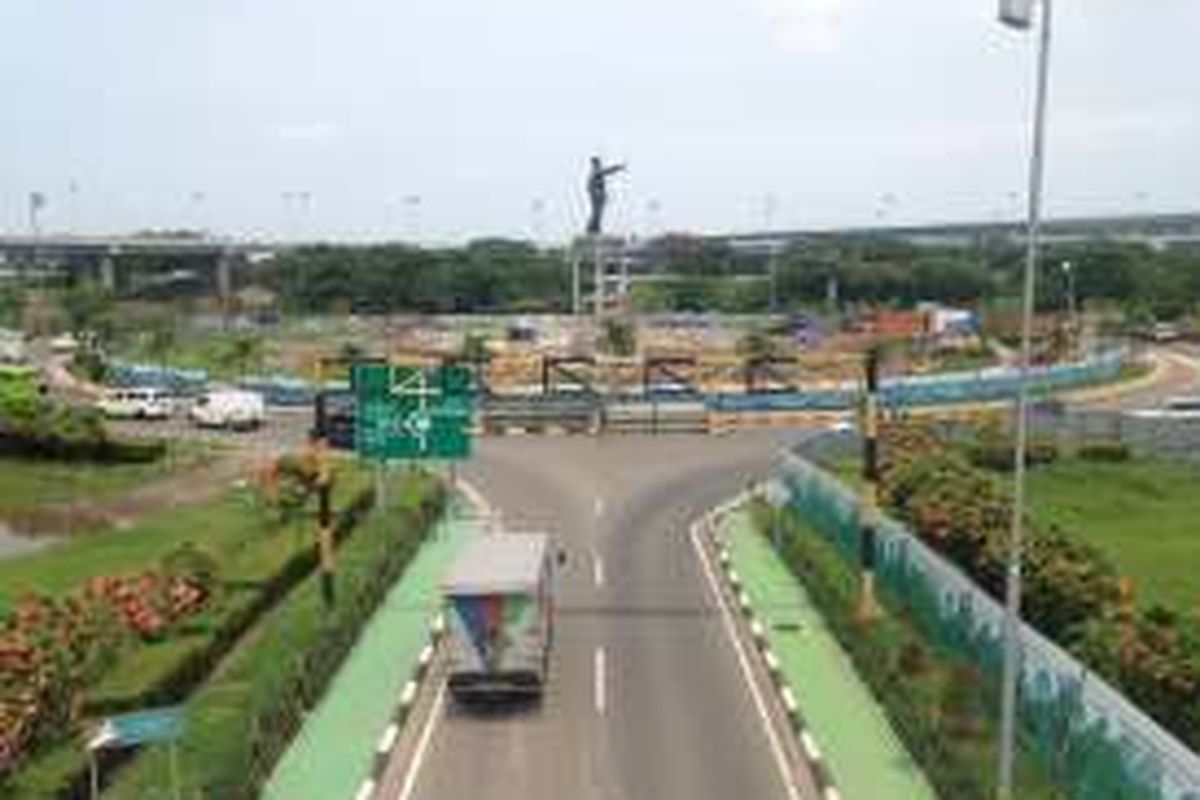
x: 499, y: 616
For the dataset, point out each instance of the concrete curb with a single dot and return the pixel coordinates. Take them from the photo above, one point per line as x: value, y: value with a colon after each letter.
x: 787, y: 698
x: 400, y: 712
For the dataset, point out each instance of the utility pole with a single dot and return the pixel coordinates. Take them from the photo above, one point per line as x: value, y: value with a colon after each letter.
x: 37, y: 201
x: 769, y: 204
x: 1072, y: 316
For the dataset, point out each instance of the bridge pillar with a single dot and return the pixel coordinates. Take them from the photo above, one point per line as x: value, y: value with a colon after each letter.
x: 225, y: 287
x: 224, y: 276
x: 108, y: 273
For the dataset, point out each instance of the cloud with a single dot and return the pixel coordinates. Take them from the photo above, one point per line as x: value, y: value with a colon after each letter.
x: 307, y: 132
x: 809, y: 26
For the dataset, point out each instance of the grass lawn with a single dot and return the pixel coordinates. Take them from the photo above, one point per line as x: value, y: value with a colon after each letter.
x: 27, y: 483
x: 263, y: 671
x: 1144, y: 515
x: 234, y: 530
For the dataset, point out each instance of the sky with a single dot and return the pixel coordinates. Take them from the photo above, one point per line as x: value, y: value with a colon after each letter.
x: 443, y: 120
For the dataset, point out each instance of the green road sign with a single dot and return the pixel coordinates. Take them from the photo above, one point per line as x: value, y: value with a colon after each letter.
x: 413, y: 413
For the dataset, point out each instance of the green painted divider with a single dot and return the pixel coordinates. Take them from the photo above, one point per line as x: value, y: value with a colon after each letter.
x: 864, y: 755
x: 333, y: 752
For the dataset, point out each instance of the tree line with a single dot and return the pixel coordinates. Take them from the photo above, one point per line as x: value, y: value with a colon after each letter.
x: 485, y: 275
x: 694, y: 274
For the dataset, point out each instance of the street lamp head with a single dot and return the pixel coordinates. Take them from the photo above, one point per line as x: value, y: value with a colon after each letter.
x: 1017, y: 14
x: 1066, y: 266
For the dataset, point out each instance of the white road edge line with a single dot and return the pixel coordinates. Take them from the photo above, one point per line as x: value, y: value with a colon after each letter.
x: 435, y: 713
x: 475, y: 497
x: 601, y: 688
x: 781, y: 759
x: 597, y: 570
x: 365, y: 790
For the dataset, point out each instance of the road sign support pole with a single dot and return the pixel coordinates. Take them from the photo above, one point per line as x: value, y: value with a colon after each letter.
x: 173, y: 755
x: 94, y: 769
x: 381, y: 498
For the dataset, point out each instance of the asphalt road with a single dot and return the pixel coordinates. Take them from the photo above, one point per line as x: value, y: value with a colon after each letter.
x: 646, y: 699
x: 1178, y: 374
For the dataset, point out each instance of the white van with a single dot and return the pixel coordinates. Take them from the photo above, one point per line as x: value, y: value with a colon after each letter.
x: 234, y: 409
x: 136, y: 402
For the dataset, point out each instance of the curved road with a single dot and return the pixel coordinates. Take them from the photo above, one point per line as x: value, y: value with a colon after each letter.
x: 647, y: 699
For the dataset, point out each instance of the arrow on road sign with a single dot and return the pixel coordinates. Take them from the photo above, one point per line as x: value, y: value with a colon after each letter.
x: 417, y: 425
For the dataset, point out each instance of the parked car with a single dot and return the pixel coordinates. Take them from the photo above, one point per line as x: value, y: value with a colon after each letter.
x: 138, y: 402
x: 64, y: 345
x: 234, y: 409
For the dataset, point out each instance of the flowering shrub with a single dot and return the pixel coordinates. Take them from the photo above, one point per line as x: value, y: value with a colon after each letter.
x: 146, y: 604
x: 1071, y: 592
x: 51, y: 649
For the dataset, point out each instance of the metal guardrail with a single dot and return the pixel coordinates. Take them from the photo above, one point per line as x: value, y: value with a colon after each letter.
x: 572, y: 411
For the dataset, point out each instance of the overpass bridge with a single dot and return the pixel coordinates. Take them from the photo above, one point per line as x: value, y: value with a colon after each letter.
x: 212, y: 262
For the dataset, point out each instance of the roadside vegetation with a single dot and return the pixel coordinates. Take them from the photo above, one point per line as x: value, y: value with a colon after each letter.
x: 1081, y: 584
x: 136, y: 618
x: 941, y: 707
x: 32, y: 490
x: 222, y: 355
x: 241, y: 719
x: 57, y: 460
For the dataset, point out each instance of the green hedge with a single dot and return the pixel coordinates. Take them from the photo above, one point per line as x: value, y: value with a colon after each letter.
x: 940, y: 707
x: 101, y: 450
x: 35, y: 426
x: 996, y: 453
x: 241, y: 720
x: 1107, y: 452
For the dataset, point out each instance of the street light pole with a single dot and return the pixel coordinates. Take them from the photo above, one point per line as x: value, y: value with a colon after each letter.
x: 1019, y: 14
x: 769, y: 204
x: 1072, y: 317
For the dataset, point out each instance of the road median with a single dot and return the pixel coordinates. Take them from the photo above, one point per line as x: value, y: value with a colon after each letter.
x: 347, y: 741
x: 845, y: 737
